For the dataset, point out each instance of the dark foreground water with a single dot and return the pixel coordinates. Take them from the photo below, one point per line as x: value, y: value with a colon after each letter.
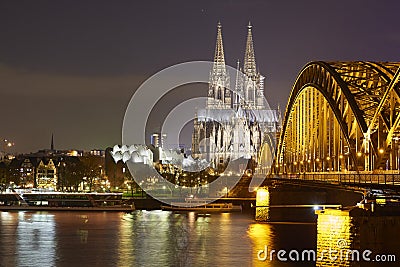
x: 145, y: 238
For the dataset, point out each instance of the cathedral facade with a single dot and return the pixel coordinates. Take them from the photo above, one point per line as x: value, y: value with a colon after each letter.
x: 237, y: 121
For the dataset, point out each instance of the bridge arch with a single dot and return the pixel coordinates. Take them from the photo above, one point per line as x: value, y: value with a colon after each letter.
x: 266, y: 154
x: 341, y: 116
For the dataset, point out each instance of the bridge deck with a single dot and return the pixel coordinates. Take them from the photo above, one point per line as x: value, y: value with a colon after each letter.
x: 345, y: 179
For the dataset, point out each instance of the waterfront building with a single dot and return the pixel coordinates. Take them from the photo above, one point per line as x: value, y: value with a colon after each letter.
x: 21, y: 171
x: 27, y: 173
x: 56, y: 169
x: 3, y: 174
x: 97, y: 152
x: 157, y: 139
x: 116, y: 171
x: 46, y: 174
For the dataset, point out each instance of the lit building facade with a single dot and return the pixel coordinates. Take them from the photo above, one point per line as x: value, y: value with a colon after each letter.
x: 157, y: 139
x: 46, y: 175
x: 236, y: 123
x: 27, y: 170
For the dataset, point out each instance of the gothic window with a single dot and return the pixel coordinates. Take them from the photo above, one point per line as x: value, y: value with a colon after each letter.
x: 227, y: 92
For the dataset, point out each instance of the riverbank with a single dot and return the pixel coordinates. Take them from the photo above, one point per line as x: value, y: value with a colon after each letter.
x: 47, y: 208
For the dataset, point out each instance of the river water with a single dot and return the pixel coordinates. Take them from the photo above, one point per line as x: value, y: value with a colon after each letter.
x: 145, y: 238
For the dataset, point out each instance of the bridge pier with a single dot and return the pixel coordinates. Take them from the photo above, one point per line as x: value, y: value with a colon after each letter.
x: 355, y: 236
x: 297, y: 203
x: 352, y: 235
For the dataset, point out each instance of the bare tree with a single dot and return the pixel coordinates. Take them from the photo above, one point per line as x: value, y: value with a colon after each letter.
x: 92, y: 168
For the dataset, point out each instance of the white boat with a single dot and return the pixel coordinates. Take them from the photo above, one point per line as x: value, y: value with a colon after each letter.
x: 63, y: 201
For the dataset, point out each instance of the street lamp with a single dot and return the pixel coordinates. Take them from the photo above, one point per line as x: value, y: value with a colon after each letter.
x: 6, y: 144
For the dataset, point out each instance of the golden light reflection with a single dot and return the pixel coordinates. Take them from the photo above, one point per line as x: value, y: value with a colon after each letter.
x: 333, y: 234
x: 262, y: 203
x: 192, y: 218
x: 226, y: 216
x: 261, y: 235
x: 126, y: 248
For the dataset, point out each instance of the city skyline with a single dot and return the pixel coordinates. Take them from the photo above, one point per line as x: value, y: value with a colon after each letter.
x: 75, y: 75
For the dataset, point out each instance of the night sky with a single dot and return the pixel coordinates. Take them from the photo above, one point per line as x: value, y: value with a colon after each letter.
x: 70, y: 67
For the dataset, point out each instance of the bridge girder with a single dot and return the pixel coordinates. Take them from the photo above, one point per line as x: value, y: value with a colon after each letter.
x: 342, y: 116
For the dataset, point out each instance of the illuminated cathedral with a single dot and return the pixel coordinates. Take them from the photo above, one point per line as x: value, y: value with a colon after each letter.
x: 237, y: 121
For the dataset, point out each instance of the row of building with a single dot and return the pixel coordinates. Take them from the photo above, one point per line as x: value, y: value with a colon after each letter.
x: 63, y: 170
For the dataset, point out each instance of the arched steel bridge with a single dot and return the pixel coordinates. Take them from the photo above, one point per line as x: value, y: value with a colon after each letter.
x: 342, y: 117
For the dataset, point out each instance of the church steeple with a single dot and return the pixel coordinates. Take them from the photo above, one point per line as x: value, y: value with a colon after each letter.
x: 219, y: 56
x: 52, y: 142
x: 219, y: 95
x: 249, y: 57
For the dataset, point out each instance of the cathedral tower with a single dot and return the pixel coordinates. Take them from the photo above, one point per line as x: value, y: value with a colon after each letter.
x: 219, y: 95
x: 233, y: 125
x: 253, y: 85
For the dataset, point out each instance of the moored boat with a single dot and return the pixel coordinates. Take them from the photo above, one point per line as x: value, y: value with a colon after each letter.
x: 63, y: 201
x: 206, y: 208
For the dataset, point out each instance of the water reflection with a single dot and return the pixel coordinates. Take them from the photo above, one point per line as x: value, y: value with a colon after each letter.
x: 143, y: 238
x: 333, y: 238
x: 355, y: 237
x: 273, y: 237
x: 27, y: 238
x: 126, y: 246
x: 261, y: 236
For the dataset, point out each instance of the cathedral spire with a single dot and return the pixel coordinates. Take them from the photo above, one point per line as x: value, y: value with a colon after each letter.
x: 219, y: 94
x: 52, y: 142
x: 249, y: 57
x: 219, y: 57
